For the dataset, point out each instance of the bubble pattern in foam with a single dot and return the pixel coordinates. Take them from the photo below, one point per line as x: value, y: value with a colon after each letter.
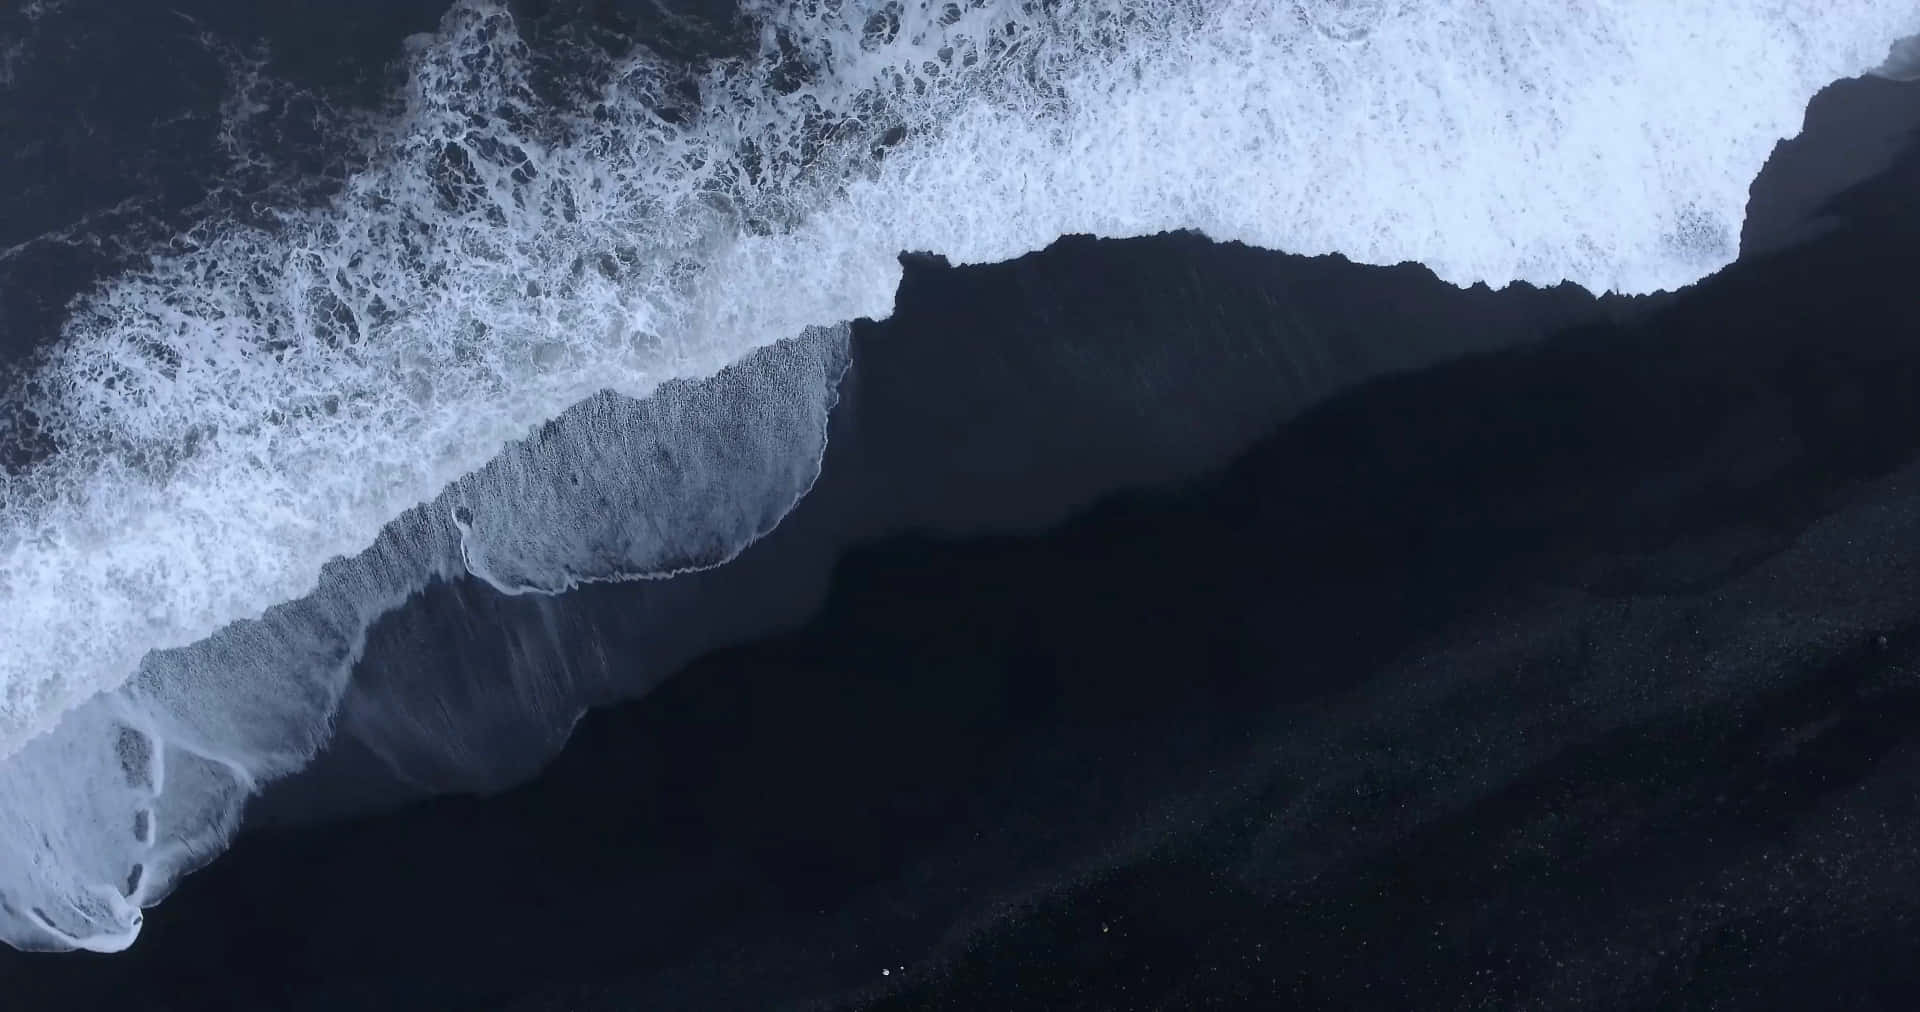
x: 259, y: 400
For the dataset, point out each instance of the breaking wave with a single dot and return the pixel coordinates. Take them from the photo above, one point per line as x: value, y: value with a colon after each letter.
x: 665, y: 262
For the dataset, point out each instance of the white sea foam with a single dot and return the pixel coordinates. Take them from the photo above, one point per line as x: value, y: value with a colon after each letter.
x: 258, y: 401
x: 144, y: 783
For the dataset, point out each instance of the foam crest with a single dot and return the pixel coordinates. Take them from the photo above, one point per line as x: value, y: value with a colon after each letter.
x: 146, y: 782
x: 679, y: 482
x: 261, y: 399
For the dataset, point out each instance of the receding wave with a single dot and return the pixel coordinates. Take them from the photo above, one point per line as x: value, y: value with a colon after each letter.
x: 235, y: 423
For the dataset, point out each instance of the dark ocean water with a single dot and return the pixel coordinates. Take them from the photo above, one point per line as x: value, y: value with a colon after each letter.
x: 1174, y: 625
